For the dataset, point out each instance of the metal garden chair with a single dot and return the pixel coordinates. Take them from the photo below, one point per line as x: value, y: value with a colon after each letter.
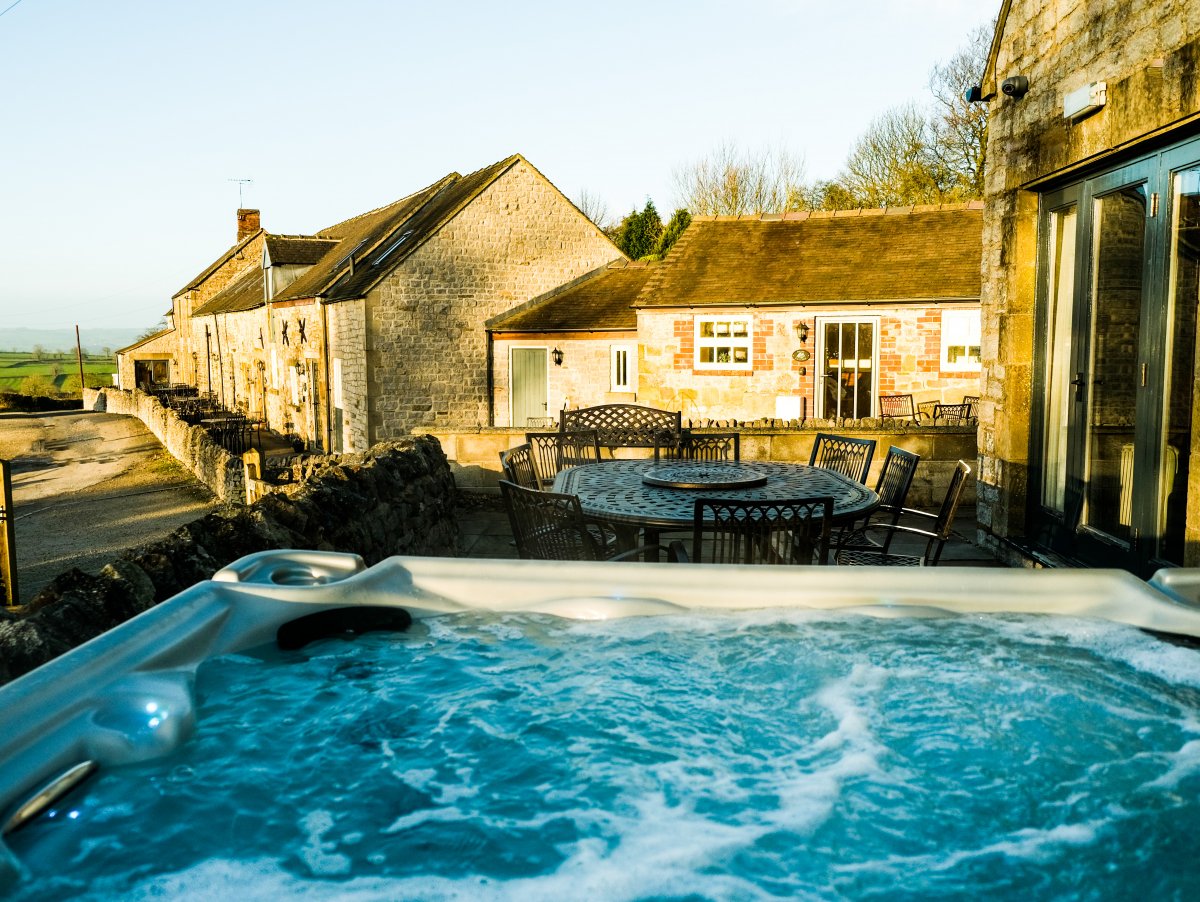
x: 690, y: 446
x: 895, y: 480
x: 842, y: 454
x: 551, y: 526
x: 953, y: 414
x: 897, y: 407
x: 518, y: 467
x: 725, y: 531
x: 557, y: 451
x: 623, y: 425
x: 880, y: 554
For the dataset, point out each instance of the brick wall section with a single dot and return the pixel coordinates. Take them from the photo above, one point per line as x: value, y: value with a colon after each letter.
x: 426, y: 348
x: 1148, y: 52
x: 909, y: 362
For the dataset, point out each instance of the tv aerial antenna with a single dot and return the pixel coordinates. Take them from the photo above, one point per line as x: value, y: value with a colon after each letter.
x: 241, y: 183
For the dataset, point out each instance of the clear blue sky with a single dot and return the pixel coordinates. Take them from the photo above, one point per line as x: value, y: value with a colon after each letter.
x: 124, y: 120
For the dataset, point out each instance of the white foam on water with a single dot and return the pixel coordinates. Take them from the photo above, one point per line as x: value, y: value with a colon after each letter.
x: 425, y: 816
x: 1117, y: 642
x: 1183, y: 764
x: 317, y: 854
x: 1036, y: 846
x: 264, y: 880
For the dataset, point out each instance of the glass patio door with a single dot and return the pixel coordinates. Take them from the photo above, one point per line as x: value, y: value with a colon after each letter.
x: 1119, y: 290
x: 849, y: 349
x: 1177, y: 513
x: 1114, y: 370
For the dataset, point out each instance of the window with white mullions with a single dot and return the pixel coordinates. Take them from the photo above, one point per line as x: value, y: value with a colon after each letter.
x: 723, y: 343
x: 622, y: 367
x: 848, y: 349
x: 961, y: 340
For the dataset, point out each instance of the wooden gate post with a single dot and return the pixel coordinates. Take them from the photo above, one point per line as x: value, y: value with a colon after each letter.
x: 8, y: 539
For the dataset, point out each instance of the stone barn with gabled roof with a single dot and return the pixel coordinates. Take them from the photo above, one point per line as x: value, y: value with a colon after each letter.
x: 374, y: 328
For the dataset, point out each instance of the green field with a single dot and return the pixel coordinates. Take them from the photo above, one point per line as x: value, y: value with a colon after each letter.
x: 27, y: 374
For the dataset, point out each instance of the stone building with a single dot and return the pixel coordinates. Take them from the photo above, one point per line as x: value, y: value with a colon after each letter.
x: 373, y: 328
x: 793, y: 316
x: 1091, y: 261
x: 572, y: 347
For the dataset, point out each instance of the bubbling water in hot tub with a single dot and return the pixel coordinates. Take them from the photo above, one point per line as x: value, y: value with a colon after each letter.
x: 760, y: 755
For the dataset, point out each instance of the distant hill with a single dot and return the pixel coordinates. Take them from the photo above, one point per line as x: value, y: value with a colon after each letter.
x: 93, y: 340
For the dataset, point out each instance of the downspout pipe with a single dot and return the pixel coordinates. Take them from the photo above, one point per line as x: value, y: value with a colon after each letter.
x: 327, y: 444
x: 491, y: 380
x: 220, y: 361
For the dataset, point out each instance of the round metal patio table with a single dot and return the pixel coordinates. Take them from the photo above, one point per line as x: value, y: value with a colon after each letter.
x: 617, y: 492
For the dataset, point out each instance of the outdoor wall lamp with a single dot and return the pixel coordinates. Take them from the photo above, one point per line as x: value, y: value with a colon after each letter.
x: 802, y: 332
x: 557, y: 356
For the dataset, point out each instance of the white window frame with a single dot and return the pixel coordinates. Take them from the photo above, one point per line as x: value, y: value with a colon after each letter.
x: 731, y: 340
x: 622, y: 362
x: 966, y: 325
x: 338, y: 400
x: 821, y: 356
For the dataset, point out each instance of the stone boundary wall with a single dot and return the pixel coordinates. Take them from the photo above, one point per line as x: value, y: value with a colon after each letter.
x: 474, y: 454
x: 192, y: 446
x: 396, y: 498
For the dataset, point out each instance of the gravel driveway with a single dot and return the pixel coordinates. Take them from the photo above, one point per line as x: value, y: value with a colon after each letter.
x: 86, y: 486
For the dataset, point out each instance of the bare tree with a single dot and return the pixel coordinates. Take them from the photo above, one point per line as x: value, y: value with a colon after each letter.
x: 592, y: 206
x: 890, y: 164
x: 960, y: 127
x: 919, y: 154
x: 733, y: 182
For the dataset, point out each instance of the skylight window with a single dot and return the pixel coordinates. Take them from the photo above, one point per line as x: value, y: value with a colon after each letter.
x: 353, y: 251
x: 391, y: 247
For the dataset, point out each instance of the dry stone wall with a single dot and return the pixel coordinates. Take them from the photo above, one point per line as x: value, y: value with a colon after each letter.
x: 394, y: 499
x: 221, y: 471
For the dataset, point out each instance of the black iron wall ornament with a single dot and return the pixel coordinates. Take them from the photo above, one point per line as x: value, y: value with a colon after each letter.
x: 261, y: 344
x: 283, y: 333
x: 300, y: 328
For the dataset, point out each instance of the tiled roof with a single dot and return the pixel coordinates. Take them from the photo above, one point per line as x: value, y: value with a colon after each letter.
x: 911, y: 253
x: 601, y: 301
x: 284, y: 250
x: 243, y: 293
x: 373, y: 244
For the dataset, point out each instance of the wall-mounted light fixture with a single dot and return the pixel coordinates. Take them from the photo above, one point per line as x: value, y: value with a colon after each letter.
x: 802, y: 332
x: 1085, y: 101
x: 557, y: 356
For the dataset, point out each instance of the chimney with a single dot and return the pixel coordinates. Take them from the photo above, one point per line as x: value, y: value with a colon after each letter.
x: 247, y: 223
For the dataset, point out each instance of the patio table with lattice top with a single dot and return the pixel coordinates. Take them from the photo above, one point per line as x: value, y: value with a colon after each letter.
x: 661, y: 497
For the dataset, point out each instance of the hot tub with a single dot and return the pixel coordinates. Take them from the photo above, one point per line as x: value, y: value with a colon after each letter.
x: 617, y: 731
